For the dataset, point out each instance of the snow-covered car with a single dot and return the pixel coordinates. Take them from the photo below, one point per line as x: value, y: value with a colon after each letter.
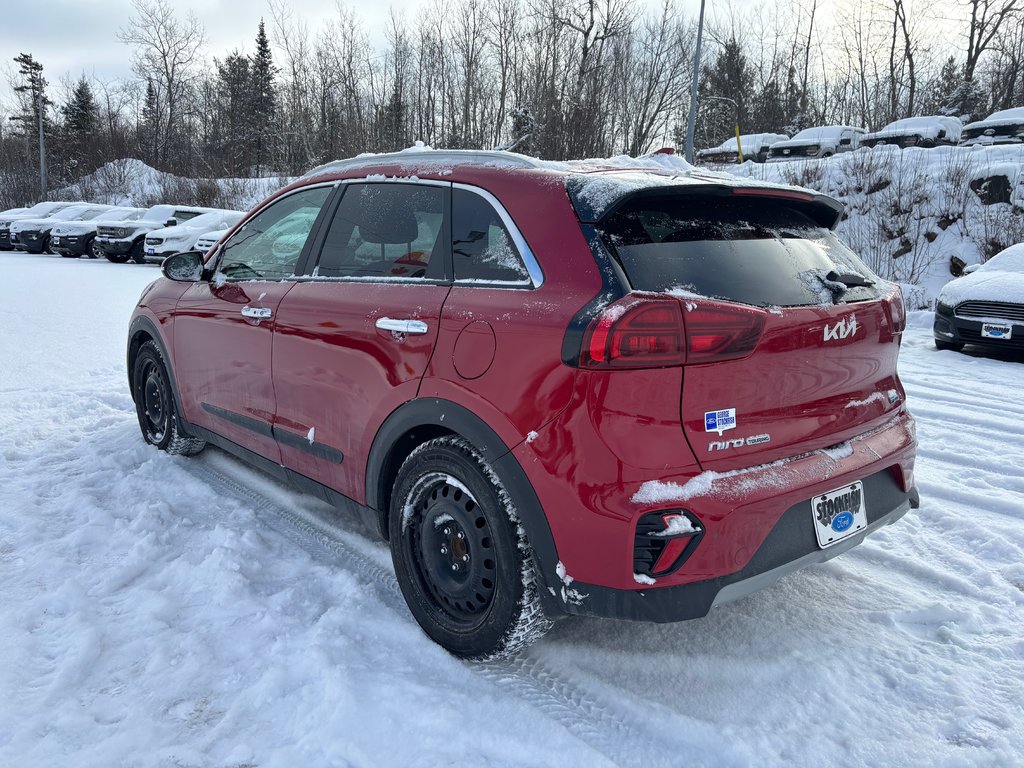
x: 161, y: 243
x: 78, y: 238
x: 207, y: 240
x: 123, y: 240
x: 38, y: 210
x: 1003, y: 127
x: 984, y: 307
x: 33, y: 234
x: 822, y: 141
x: 916, y: 132
x: 755, y: 147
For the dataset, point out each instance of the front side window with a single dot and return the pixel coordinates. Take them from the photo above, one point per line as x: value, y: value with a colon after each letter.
x: 482, y: 249
x: 386, y: 231
x: 268, y: 245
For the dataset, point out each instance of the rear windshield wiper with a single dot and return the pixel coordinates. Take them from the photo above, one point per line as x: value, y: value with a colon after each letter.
x: 849, y: 279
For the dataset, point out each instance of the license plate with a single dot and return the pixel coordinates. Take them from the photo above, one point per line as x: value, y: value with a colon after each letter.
x: 103, y: 238
x: 996, y: 331
x: 150, y: 251
x: 839, y: 513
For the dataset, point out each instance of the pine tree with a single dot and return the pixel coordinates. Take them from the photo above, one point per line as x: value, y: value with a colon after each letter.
x: 262, y: 108
x: 78, y: 132
x: 33, y: 87
x: 235, y: 131
x: 149, y: 128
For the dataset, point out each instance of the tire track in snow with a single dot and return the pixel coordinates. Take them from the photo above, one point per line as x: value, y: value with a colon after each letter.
x: 612, y: 733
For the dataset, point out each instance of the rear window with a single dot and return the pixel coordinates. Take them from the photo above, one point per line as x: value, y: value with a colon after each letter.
x: 760, y: 251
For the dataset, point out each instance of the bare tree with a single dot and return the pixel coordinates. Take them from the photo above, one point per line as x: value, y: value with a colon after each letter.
x: 166, y: 51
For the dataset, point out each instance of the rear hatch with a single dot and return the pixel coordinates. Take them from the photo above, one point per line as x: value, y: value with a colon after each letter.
x: 790, y: 341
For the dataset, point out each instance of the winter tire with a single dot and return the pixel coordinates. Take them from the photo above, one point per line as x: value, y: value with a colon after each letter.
x: 136, y: 254
x: 93, y: 249
x: 116, y: 258
x: 154, y: 404
x: 460, y: 553
x: 952, y: 346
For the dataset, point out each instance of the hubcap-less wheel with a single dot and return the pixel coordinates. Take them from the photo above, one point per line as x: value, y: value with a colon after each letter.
x: 95, y: 251
x: 155, y: 406
x: 461, y: 554
x: 449, y: 545
x: 154, y: 402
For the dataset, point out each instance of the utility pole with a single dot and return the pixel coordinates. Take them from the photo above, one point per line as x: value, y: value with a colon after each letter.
x: 691, y: 123
x: 42, y: 149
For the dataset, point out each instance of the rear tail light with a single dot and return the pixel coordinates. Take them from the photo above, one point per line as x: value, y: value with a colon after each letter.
x: 639, y: 331
x: 897, y: 310
x: 717, y: 332
x: 646, y: 330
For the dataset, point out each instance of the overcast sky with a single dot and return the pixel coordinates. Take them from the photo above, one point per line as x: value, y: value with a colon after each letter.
x: 72, y: 37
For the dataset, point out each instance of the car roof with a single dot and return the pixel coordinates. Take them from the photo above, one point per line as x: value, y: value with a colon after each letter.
x: 596, y: 186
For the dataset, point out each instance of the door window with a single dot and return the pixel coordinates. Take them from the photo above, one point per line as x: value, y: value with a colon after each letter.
x: 268, y: 245
x: 386, y: 231
x: 481, y: 246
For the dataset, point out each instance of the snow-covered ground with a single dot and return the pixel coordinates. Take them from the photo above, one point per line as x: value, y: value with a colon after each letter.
x: 159, y: 611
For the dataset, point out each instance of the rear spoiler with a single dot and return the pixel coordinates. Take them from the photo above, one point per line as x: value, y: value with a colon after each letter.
x: 596, y: 196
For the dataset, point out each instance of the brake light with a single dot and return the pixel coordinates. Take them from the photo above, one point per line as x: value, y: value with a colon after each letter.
x: 722, y: 332
x: 646, y: 330
x: 897, y: 310
x: 639, y: 331
x: 785, y: 194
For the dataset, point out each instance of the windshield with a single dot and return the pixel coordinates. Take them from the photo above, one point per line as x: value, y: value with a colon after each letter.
x: 71, y: 214
x: 754, y: 251
x: 160, y: 213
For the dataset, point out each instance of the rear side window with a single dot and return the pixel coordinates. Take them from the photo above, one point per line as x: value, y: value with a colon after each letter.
x: 482, y: 249
x: 755, y: 251
x: 386, y: 231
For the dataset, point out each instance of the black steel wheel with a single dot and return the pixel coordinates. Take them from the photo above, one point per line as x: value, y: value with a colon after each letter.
x: 461, y: 557
x: 155, y: 407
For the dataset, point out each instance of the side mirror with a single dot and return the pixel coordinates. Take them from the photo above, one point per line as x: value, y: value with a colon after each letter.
x: 186, y: 267
x: 172, y: 222
x: 970, y: 268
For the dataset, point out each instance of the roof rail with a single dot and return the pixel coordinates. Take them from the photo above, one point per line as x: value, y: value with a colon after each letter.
x: 416, y: 156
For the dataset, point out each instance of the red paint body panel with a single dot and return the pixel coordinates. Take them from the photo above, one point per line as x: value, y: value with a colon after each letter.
x: 222, y: 359
x: 801, y: 390
x: 336, y: 372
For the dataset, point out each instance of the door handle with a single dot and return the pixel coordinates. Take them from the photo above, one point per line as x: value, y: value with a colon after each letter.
x: 257, y: 313
x: 409, y: 327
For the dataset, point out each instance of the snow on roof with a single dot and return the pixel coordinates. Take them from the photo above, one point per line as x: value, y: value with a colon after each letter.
x: 925, y: 127
x: 825, y: 132
x: 749, y: 139
x: 1001, y: 278
x: 1015, y: 115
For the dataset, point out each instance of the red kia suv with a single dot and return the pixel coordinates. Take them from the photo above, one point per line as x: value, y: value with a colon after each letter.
x: 554, y: 388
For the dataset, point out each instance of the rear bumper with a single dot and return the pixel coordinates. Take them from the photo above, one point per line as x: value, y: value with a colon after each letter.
x: 789, y: 547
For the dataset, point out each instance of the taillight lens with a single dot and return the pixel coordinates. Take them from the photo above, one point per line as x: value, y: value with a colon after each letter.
x: 717, y: 332
x: 639, y: 331
x: 651, y: 331
x: 897, y: 310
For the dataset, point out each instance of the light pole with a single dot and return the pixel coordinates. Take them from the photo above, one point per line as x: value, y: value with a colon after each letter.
x: 691, y: 122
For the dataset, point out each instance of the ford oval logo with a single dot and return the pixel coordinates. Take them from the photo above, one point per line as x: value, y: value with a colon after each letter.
x: 842, y: 521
